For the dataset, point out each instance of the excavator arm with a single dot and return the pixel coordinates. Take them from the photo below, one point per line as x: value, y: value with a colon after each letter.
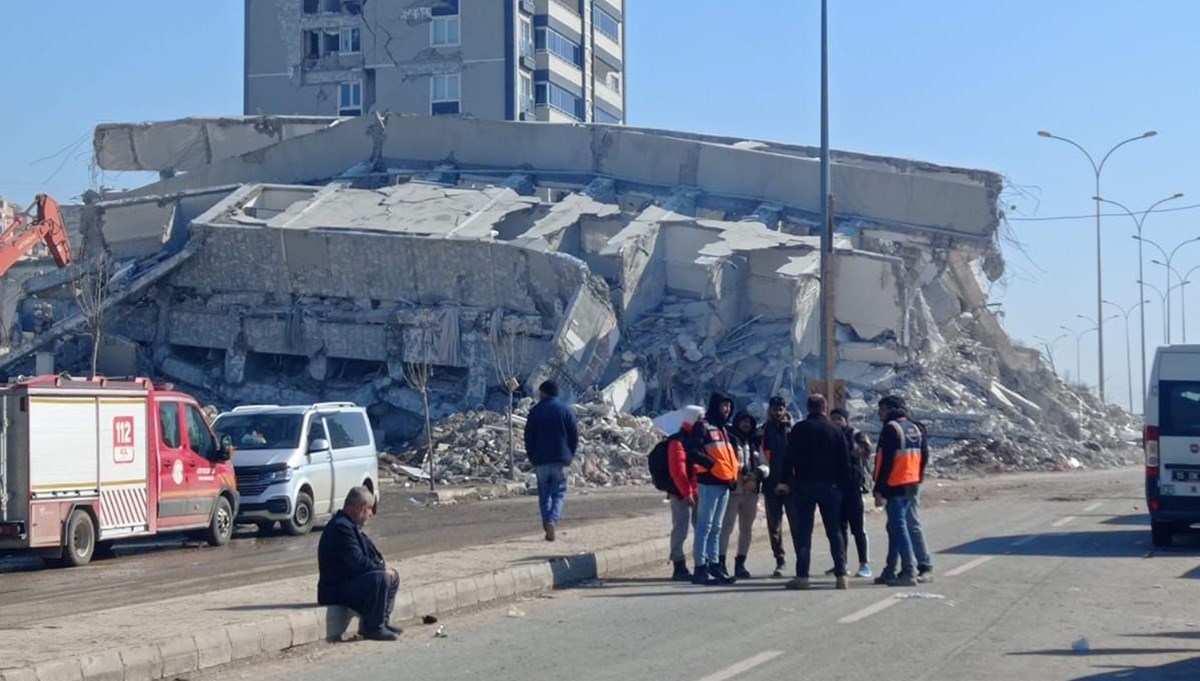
x: 47, y: 226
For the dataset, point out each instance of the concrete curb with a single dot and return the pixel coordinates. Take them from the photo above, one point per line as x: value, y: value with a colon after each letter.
x: 205, y: 650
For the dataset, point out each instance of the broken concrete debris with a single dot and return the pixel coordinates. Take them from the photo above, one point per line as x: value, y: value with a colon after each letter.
x: 306, y: 260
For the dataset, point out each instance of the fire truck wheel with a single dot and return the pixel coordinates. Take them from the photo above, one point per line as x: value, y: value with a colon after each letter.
x: 81, y: 539
x: 220, y: 528
x: 302, y: 518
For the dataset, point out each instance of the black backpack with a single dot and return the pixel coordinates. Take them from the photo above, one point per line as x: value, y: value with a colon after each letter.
x: 660, y: 469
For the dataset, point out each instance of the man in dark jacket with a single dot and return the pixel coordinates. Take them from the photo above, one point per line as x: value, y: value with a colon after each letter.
x: 717, y: 472
x: 774, y: 447
x: 551, y: 440
x: 352, y: 571
x: 816, y: 470
x: 900, y: 462
x: 853, y: 512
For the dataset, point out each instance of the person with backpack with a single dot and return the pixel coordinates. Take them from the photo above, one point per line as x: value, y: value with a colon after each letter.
x: 774, y: 447
x: 743, y: 499
x: 899, y: 464
x: 671, y: 472
x: 853, y: 512
x: 717, y: 472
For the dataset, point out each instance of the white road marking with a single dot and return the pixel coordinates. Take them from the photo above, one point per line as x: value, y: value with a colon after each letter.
x: 743, y: 666
x: 868, y: 611
x: 1062, y: 521
x: 968, y: 566
x: 1091, y: 507
x: 1026, y: 540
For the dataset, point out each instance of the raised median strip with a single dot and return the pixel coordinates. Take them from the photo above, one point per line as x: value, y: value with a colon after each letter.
x: 214, y: 646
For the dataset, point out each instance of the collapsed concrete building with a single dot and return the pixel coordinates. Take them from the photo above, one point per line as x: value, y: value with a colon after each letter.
x: 302, y: 259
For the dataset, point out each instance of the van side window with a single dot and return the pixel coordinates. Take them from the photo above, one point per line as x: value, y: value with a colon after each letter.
x: 316, y: 430
x: 168, y: 424
x: 198, y: 436
x: 348, y: 429
x: 1179, y: 408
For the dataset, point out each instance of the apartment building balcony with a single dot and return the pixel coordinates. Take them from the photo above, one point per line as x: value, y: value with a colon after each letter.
x: 549, y: 61
x: 564, y: 11
x: 612, y: 98
x: 608, y: 48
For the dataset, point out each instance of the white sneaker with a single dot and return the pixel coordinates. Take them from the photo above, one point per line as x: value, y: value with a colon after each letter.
x: 864, y: 570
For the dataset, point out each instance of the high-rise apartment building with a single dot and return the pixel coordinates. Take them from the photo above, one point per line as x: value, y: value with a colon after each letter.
x: 545, y: 60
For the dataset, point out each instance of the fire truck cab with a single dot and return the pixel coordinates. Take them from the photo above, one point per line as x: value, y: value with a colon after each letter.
x: 84, y: 462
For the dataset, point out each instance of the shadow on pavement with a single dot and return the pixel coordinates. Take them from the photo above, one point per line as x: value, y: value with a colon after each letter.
x: 1194, y: 573
x: 1169, y: 634
x: 1086, y: 544
x: 269, y: 606
x: 1106, y: 651
x: 1137, y: 519
x: 1183, y: 670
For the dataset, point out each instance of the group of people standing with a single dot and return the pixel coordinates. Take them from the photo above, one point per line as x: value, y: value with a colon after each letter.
x: 720, y: 463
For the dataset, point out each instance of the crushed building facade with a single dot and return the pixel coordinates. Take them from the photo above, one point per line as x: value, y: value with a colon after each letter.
x: 298, y: 260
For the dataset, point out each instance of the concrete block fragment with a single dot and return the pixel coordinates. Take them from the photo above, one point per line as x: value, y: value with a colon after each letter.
x: 18, y: 674
x: 142, y: 663
x: 506, y: 586
x: 275, y: 634
x: 178, y: 656
x: 485, y: 588
x: 404, y: 609
x: 522, y: 579
x: 443, y: 595
x: 244, y: 640
x: 542, y: 576
x: 105, y: 666
x: 213, y: 648
x: 465, y: 594
x: 337, y: 621
x: 60, y: 670
x: 424, y: 599
x: 305, y: 627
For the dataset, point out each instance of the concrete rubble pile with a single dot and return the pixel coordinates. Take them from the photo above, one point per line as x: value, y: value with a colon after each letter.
x: 473, y: 447
x: 293, y: 260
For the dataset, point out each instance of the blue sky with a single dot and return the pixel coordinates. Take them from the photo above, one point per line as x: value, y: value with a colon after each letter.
x: 961, y: 83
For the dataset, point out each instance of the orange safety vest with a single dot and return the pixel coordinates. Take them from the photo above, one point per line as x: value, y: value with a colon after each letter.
x: 906, y: 465
x: 725, y: 459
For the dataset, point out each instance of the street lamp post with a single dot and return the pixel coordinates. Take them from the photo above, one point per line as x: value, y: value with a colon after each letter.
x: 1162, y: 297
x: 1048, y: 345
x: 1128, y: 362
x: 1167, y: 264
x: 1078, y: 338
x: 1183, y: 299
x: 1098, y: 325
x: 1139, y: 222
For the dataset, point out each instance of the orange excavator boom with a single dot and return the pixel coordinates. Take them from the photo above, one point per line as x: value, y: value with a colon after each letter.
x: 47, y: 226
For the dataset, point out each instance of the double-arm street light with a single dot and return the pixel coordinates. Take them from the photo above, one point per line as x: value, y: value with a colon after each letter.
x: 1048, y: 345
x: 1128, y: 362
x: 1097, y: 168
x: 1185, y: 279
x: 1099, y: 326
x: 1168, y: 257
x: 1139, y: 222
x: 1078, y: 337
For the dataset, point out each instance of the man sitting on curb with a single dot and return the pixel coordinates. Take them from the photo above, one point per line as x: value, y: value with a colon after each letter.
x: 352, y: 571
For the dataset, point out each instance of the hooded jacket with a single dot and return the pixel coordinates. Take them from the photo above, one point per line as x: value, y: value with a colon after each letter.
x: 714, y: 456
x: 775, y: 449
x: 753, y: 466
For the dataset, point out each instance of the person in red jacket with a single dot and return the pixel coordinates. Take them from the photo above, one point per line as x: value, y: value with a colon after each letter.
x: 683, y: 497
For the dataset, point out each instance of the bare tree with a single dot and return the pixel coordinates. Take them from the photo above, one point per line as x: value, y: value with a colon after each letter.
x: 416, y: 375
x: 509, y: 352
x: 91, y: 286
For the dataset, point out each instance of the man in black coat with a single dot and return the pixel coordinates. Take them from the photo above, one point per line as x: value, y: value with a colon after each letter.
x: 551, y: 440
x: 352, y: 571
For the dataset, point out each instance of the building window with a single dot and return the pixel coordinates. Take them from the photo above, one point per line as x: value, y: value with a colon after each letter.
x: 559, y: 45
x: 603, y: 116
x: 350, y: 98
x: 445, y: 94
x: 526, y: 93
x: 526, y: 37
x: 612, y: 81
x: 606, y: 23
x: 349, y: 40
x: 445, y: 31
x: 560, y: 99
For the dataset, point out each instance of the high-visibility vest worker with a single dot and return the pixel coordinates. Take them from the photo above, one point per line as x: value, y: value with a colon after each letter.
x: 898, y: 458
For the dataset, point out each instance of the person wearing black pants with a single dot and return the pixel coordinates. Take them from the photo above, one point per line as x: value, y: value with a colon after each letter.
x: 815, y: 470
x: 853, y: 511
x: 774, y: 446
x: 352, y: 572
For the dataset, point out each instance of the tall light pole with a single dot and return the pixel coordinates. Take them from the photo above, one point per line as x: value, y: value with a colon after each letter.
x: 1186, y: 278
x: 1048, y: 345
x: 1098, y: 168
x: 826, y: 263
x: 1098, y: 324
x: 1078, y: 337
x: 1128, y: 361
x: 1168, y: 258
x: 1162, y: 297
x: 1140, y: 221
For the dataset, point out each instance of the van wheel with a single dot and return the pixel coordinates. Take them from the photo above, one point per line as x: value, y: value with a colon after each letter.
x: 302, y: 518
x: 81, y: 539
x: 220, y: 528
x: 1162, y: 534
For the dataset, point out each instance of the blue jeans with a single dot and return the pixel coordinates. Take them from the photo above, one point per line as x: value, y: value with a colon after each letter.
x: 900, y: 545
x: 552, y: 487
x: 917, y: 536
x: 710, y: 512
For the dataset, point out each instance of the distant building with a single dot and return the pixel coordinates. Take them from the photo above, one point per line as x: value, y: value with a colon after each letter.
x: 546, y: 60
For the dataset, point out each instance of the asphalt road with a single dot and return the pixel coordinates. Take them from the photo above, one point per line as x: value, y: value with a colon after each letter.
x: 152, y: 570
x: 1027, y: 567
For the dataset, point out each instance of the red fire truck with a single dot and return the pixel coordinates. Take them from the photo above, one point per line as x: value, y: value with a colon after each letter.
x: 84, y: 462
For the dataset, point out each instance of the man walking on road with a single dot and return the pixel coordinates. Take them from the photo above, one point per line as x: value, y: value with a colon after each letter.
x: 899, y: 462
x: 716, y: 472
x: 775, y: 447
x: 352, y: 572
x: 817, y: 468
x: 551, y: 440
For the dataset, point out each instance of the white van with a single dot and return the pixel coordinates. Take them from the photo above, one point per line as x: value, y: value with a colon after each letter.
x: 1172, y: 441
x: 295, y: 464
